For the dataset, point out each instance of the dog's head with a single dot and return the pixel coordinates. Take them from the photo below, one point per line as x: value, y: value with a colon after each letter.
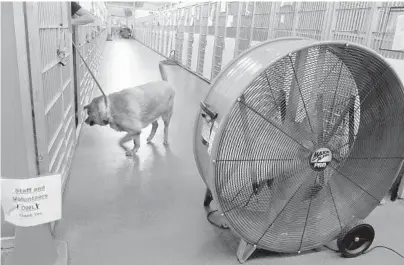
x: 97, y: 112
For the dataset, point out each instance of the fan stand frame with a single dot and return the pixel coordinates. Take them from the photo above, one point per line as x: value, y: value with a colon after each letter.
x: 208, y: 198
x: 245, y: 249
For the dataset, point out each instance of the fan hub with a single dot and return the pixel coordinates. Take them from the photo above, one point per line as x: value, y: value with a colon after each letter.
x: 320, y: 159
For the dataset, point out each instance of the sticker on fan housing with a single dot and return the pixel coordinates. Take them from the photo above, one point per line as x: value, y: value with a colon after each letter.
x: 320, y: 159
x: 212, y: 136
x: 208, y: 132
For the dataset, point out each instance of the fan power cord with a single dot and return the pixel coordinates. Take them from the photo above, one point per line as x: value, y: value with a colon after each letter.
x: 371, y: 249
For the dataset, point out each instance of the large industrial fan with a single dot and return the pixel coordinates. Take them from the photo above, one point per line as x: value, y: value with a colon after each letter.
x: 298, y: 141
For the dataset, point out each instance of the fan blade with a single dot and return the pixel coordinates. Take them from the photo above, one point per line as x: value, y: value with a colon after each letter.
x: 287, y: 131
x: 277, y: 186
x: 296, y: 89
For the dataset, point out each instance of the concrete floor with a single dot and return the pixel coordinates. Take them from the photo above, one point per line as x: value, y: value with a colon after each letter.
x: 148, y: 210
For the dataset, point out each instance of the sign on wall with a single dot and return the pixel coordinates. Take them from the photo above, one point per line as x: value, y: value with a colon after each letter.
x: 30, y: 202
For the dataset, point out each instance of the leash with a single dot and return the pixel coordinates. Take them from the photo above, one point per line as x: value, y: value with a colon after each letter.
x: 91, y: 72
x: 170, y: 61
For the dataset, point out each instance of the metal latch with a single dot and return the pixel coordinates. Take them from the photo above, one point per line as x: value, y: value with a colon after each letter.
x: 207, y: 124
x: 62, y: 56
x: 207, y: 111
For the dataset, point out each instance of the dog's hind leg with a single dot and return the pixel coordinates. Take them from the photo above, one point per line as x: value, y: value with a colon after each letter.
x: 166, y: 118
x: 153, y: 131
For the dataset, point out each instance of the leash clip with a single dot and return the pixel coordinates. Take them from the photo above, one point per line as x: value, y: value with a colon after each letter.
x: 61, y: 52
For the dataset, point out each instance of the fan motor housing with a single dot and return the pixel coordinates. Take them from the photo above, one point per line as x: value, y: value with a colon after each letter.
x: 320, y: 159
x: 289, y: 140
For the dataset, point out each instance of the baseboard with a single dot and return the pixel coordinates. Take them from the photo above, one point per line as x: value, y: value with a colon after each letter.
x: 400, y: 191
x: 7, y: 242
x: 78, y: 129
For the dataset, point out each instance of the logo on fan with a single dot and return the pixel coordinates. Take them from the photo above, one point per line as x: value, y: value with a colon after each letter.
x: 320, y: 158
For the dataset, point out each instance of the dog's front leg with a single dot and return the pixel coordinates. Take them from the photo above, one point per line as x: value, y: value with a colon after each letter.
x: 136, y: 144
x: 129, y: 136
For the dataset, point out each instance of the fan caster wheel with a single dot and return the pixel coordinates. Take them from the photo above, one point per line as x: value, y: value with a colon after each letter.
x: 355, y: 240
x: 208, y: 198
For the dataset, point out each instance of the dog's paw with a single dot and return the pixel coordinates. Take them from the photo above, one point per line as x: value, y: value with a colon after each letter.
x: 130, y: 153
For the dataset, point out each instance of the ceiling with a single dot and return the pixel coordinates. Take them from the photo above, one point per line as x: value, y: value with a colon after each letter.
x: 118, y: 8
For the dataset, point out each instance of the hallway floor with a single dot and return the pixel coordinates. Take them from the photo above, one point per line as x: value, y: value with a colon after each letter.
x: 148, y: 209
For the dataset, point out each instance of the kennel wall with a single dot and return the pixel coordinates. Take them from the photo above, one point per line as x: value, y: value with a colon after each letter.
x: 61, y: 84
x: 213, y: 33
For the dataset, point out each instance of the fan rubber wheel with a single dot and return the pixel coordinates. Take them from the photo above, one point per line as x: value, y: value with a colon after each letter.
x: 208, y: 198
x: 355, y: 240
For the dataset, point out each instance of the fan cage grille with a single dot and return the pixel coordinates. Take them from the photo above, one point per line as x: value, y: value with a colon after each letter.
x: 336, y: 96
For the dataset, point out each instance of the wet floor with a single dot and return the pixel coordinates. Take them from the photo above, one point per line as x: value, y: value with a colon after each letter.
x: 148, y: 209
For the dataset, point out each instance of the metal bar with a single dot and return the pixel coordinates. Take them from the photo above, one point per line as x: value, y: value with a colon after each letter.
x: 331, y: 19
x: 34, y: 50
x: 295, y: 26
x: 372, y: 26
x: 52, y: 27
x: 271, y: 27
x: 400, y: 191
x: 199, y: 15
x: 240, y: 7
x: 215, y: 40
x: 252, y: 24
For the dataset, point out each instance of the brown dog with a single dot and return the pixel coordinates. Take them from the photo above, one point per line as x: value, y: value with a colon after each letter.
x: 133, y: 109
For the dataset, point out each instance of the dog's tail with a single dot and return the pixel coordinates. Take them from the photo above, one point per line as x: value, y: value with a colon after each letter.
x: 169, y: 61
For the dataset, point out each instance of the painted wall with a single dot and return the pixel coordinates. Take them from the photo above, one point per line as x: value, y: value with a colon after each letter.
x: 142, y: 13
x: 398, y: 66
x: 14, y: 162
